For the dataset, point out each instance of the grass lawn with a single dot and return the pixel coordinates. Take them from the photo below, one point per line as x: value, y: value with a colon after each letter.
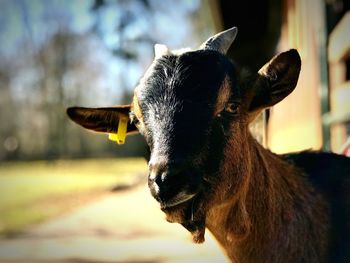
x: 31, y: 192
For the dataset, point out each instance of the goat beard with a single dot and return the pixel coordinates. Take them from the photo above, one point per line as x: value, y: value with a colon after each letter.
x: 191, y: 215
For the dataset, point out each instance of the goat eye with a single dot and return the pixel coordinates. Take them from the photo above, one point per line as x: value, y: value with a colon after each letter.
x: 136, y: 122
x: 231, y: 108
x: 134, y: 119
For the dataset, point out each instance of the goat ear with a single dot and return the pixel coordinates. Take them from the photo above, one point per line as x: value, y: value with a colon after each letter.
x: 101, y: 119
x: 275, y: 80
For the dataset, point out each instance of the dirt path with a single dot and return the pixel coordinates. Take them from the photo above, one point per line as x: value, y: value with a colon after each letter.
x: 127, y: 226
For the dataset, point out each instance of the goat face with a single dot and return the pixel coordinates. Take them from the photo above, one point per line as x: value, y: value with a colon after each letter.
x: 176, y: 109
x: 190, y: 106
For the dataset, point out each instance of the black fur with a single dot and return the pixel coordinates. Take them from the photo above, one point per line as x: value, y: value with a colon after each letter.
x: 185, y: 88
x: 329, y: 173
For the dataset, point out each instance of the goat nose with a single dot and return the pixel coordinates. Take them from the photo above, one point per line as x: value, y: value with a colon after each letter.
x: 157, y: 175
x: 155, y: 179
x: 162, y: 175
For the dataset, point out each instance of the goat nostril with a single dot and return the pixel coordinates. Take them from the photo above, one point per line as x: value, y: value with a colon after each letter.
x: 152, y: 175
x: 157, y: 171
x: 154, y: 181
x: 155, y: 188
x: 155, y: 178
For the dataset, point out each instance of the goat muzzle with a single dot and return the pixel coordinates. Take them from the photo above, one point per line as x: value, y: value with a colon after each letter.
x: 172, y: 183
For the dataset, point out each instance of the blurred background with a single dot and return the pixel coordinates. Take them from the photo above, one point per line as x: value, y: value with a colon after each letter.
x: 56, y: 54
x: 60, y: 53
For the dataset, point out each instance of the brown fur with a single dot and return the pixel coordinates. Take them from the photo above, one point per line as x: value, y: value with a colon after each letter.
x: 268, y: 213
x: 223, y: 96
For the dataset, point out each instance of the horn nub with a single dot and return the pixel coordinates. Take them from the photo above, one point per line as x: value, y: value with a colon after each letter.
x: 160, y: 50
x: 222, y: 41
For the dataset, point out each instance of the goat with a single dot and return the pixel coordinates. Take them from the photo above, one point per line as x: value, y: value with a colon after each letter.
x: 207, y: 171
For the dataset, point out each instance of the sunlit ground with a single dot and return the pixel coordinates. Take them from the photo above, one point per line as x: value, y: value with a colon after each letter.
x: 31, y: 192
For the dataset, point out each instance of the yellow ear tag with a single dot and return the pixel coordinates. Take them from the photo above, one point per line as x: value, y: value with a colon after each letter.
x: 119, y: 137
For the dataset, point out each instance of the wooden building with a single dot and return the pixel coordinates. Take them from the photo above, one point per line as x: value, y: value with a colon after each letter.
x: 317, y: 114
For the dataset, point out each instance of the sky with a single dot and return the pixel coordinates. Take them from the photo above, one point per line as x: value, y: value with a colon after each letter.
x: 36, y: 18
x: 34, y: 21
x: 31, y: 18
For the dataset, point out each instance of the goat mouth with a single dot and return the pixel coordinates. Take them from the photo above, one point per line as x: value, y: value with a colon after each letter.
x: 188, y: 211
x: 177, y: 200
